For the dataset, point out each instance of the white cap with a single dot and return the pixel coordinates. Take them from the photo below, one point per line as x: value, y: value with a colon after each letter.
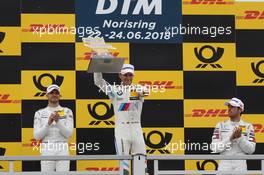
x: 127, y: 68
x: 236, y: 103
x: 53, y: 87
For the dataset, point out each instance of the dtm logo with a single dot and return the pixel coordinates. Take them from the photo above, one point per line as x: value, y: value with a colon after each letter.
x: 252, y: 14
x: 38, y: 83
x: 204, y: 163
x: 2, y: 37
x: 2, y: 153
x: 216, y: 55
x: 112, y: 5
x: 164, y: 140
x: 257, y: 72
x: 101, y: 117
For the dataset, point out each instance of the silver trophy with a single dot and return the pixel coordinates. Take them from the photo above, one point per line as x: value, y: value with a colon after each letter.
x: 102, y: 60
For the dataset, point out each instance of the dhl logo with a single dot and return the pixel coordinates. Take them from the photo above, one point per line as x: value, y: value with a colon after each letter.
x: 208, y: 2
x: 33, y: 143
x: 258, y: 128
x: 37, y: 143
x: 102, y: 169
x: 160, y: 84
x: 89, y: 55
x: 252, y: 14
x: 4, y: 98
x: 208, y: 113
x: 45, y: 27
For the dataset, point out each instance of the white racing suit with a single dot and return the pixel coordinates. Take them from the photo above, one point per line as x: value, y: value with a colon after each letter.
x: 241, y: 146
x: 54, y: 137
x: 128, y: 132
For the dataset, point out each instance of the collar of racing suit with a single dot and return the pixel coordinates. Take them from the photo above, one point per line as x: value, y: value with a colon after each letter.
x: 241, y: 122
x: 52, y: 109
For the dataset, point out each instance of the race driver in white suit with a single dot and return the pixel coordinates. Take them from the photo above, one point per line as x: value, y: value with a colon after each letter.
x: 127, y: 108
x: 233, y: 137
x: 54, y: 126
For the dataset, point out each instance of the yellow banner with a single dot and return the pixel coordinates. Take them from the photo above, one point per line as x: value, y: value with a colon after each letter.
x: 249, y: 15
x: 84, y: 54
x: 34, y: 83
x: 48, y: 27
x: 208, y: 7
x: 10, y: 41
x: 164, y: 140
x: 209, y: 56
x: 10, y: 98
x: 204, y: 113
x: 10, y: 149
x: 257, y: 121
x: 94, y: 114
x: 162, y: 84
x: 250, y: 71
x: 31, y: 146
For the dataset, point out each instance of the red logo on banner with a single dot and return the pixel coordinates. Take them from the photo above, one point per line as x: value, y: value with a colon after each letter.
x: 160, y: 84
x: 258, y: 128
x: 252, y: 14
x: 33, y: 143
x: 88, y: 55
x: 45, y: 27
x: 4, y: 98
x: 208, y: 2
x: 102, y: 169
x: 208, y: 113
